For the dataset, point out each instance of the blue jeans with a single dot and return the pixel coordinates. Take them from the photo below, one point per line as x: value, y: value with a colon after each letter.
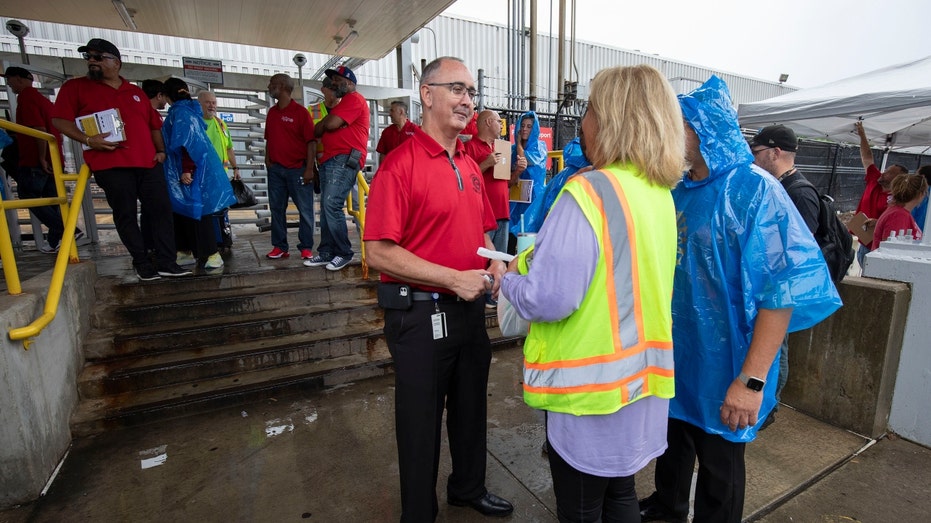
x: 783, y: 370
x: 336, y: 180
x: 861, y: 255
x: 282, y: 183
x: 500, y: 236
x: 33, y: 182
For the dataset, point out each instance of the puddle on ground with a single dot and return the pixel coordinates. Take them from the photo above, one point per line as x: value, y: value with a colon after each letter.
x: 276, y: 427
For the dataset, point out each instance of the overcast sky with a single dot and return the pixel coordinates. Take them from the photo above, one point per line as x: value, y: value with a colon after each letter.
x: 813, y: 41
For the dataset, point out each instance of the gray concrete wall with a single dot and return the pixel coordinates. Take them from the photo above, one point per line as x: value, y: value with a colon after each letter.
x: 38, y: 389
x: 843, y: 370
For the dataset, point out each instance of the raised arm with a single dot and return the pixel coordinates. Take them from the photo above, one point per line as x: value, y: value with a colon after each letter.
x: 866, y: 154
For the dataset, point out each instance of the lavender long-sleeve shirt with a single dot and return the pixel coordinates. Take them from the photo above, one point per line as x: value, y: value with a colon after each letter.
x: 564, y: 259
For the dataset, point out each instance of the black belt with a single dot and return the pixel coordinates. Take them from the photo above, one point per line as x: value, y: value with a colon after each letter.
x: 434, y: 296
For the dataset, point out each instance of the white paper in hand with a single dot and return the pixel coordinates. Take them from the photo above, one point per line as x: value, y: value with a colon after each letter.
x: 495, y: 255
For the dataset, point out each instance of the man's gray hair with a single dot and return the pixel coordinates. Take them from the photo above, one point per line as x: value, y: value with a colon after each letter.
x: 288, y: 81
x: 402, y: 104
x: 431, y: 69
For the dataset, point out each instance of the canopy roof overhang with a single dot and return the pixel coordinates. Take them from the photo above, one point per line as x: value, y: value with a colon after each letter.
x: 303, y: 25
x: 894, y: 104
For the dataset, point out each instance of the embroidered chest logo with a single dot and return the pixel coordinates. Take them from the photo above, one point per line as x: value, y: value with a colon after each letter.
x: 136, y: 98
x: 476, y: 184
x: 287, y: 119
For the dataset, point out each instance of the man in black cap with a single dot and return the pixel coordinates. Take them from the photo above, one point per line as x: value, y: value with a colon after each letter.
x: 34, y: 175
x: 774, y: 150
x: 345, y: 135
x: 125, y: 170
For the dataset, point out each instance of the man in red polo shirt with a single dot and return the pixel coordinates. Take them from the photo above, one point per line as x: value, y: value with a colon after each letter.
x: 125, y: 170
x: 875, y: 197
x: 289, y: 157
x: 401, y: 129
x: 345, y: 135
x: 427, y: 216
x: 34, y: 176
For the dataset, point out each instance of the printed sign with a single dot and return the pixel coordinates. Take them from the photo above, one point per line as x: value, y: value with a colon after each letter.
x: 202, y: 69
x: 226, y: 117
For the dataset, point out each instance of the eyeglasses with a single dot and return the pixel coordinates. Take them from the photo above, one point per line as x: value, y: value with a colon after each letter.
x: 758, y: 151
x: 97, y: 57
x: 458, y: 89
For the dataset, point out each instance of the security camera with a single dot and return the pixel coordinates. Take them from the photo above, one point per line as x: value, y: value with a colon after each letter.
x: 17, y: 28
x: 300, y: 60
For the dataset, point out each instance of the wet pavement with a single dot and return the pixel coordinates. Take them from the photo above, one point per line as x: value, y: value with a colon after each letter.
x: 330, y: 456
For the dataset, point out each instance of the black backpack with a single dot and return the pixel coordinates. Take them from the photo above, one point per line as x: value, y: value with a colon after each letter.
x: 832, y: 235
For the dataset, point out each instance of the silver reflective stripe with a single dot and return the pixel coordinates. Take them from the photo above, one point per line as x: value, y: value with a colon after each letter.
x: 621, y: 264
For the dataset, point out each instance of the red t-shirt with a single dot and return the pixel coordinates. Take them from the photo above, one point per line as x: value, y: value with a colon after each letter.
x: 392, y: 137
x: 287, y: 133
x: 895, y: 218
x: 471, y: 128
x: 497, y: 190
x: 33, y: 110
x: 416, y: 201
x: 354, y: 110
x: 83, y: 96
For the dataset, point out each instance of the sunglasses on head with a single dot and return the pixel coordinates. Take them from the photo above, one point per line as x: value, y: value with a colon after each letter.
x: 97, y: 57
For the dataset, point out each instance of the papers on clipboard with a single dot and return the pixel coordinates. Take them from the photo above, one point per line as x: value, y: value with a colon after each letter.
x: 108, y: 121
x: 858, y: 226
x: 522, y: 192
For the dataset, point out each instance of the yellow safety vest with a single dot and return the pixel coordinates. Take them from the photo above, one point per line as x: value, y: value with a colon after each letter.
x: 617, y: 347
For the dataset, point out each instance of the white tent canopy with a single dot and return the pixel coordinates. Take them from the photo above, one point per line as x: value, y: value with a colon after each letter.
x: 894, y: 104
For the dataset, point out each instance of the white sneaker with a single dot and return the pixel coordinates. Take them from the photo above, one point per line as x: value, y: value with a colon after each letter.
x: 215, y: 261
x: 185, y: 258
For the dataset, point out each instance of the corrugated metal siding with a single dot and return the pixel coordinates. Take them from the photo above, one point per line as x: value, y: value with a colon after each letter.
x: 482, y: 46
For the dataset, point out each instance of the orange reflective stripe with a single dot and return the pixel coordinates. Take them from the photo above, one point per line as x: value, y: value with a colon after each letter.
x: 601, y: 387
x: 604, y: 358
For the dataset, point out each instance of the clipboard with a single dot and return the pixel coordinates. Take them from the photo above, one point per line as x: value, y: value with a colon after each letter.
x: 503, y: 169
x: 522, y: 192
x: 858, y: 227
x: 108, y: 121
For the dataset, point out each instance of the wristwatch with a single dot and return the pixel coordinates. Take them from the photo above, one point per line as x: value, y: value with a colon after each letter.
x: 754, y: 384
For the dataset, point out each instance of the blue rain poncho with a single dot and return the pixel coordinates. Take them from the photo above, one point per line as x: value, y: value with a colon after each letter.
x: 573, y: 160
x: 742, y: 247
x: 535, y: 152
x: 211, y: 190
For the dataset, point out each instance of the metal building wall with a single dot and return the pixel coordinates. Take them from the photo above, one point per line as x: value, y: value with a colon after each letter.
x: 482, y: 45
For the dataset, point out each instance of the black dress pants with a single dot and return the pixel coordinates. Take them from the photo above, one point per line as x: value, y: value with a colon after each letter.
x: 721, y: 485
x: 429, y: 373
x: 585, y: 498
x: 197, y: 236
x: 123, y: 187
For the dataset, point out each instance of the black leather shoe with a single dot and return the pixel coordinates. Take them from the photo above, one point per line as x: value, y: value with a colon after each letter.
x: 489, y: 505
x: 651, y: 510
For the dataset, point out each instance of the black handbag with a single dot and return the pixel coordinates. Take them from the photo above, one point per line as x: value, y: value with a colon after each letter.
x: 245, y: 197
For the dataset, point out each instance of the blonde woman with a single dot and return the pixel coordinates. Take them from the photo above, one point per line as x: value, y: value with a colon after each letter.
x: 598, y: 358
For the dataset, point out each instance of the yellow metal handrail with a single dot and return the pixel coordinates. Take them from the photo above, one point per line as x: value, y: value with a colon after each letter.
x: 359, y: 215
x: 67, y: 253
x: 560, y: 162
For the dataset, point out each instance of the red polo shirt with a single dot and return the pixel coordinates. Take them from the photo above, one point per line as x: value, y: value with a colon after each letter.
x: 416, y: 202
x: 287, y: 132
x: 354, y: 110
x: 33, y: 110
x: 83, y: 96
x: 497, y: 190
x: 392, y: 137
x: 875, y: 199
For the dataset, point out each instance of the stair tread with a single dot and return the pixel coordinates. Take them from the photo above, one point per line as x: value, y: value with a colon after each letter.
x: 124, y: 403
x: 179, y: 327
x: 116, y: 367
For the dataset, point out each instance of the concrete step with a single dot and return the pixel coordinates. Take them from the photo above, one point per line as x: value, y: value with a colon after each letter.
x: 116, y: 376
x: 197, y: 333
x: 95, y: 415
x: 118, y: 291
x: 237, y: 302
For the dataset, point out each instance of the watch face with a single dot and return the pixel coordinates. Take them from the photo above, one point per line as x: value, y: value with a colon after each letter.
x: 755, y: 384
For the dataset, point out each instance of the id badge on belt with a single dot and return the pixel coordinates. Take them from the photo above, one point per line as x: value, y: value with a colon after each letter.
x: 438, y: 319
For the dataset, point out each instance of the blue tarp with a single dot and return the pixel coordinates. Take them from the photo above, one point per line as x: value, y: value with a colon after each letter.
x: 210, y: 191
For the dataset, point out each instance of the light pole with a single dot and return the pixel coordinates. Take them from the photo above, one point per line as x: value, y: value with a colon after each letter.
x: 19, y: 30
x: 300, y: 61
